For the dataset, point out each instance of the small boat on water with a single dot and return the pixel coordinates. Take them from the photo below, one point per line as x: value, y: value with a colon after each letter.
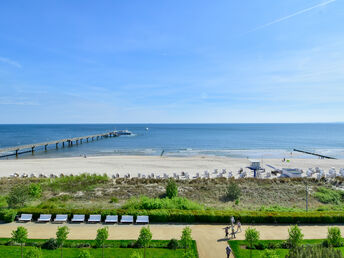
x: 124, y: 132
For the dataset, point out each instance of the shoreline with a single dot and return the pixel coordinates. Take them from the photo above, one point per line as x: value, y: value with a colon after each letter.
x: 122, y: 164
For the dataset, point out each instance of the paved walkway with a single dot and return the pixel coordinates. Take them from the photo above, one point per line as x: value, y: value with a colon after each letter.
x: 210, y: 238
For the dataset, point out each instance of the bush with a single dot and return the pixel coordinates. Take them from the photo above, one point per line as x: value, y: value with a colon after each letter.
x: 233, y: 192
x: 50, y: 244
x: 8, y: 215
x: 114, y: 200
x: 33, y: 253
x: 171, y: 189
x: 330, y: 196
x: 18, y: 196
x: 314, y: 251
x: 334, y: 237
x: 261, y: 246
x: 172, y: 244
x: 295, y: 236
x: 35, y: 191
x: 269, y: 254
x: 84, y: 254
x: 146, y: 203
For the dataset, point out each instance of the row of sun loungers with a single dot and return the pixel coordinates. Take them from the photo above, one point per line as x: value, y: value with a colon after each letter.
x: 79, y: 218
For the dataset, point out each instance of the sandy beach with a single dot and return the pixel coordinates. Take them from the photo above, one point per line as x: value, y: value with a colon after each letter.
x: 151, y: 164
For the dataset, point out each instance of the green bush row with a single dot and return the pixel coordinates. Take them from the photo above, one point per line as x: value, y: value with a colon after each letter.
x: 203, y: 216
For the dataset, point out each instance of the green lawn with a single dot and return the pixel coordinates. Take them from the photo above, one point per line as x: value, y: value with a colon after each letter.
x: 158, y: 249
x: 240, y: 252
x: 14, y: 251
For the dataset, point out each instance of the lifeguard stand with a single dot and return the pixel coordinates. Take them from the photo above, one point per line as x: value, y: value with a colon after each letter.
x: 255, y: 166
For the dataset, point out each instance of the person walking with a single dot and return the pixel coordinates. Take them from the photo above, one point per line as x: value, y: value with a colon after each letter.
x: 232, y: 220
x: 238, y: 226
x: 228, y: 251
x: 226, y: 231
x: 233, y: 232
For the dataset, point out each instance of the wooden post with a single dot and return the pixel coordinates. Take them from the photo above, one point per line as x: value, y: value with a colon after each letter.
x: 17, y: 153
x: 32, y: 149
x: 57, y: 145
x: 62, y: 144
x: 81, y: 141
x: 45, y: 147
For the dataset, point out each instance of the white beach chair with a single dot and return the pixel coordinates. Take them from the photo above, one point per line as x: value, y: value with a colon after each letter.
x: 32, y: 175
x: 24, y: 175
x: 127, y: 219
x: 25, y: 218
x: 96, y: 218
x: 165, y: 176
x: 60, y: 218
x: 142, y: 220
x: 139, y: 175
x: 215, y: 171
x: 44, y: 218
x: 111, y: 219
x: 341, y: 172
x: 78, y: 218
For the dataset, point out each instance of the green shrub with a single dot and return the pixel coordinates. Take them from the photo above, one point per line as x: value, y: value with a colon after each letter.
x: 172, y: 244
x: 33, y: 252
x: 326, y: 195
x: 81, y: 182
x: 233, y: 191
x: 35, y: 191
x: 84, y: 254
x: 18, y: 196
x: 269, y: 254
x: 313, y: 252
x: 171, y: 189
x: 50, y: 244
x: 3, y: 202
x: 114, y: 200
x: 261, y: 246
x: 334, y: 237
x: 251, y: 237
x: 146, y: 203
x: 8, y: 215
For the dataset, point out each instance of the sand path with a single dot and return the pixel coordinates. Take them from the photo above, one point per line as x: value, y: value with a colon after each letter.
x: 210, y: 238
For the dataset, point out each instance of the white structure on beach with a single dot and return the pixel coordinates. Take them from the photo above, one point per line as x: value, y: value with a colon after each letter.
x: 291, y: 172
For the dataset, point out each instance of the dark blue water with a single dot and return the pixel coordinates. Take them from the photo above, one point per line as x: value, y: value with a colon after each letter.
x: 235, y: 140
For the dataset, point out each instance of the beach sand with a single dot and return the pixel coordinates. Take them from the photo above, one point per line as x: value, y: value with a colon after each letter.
x: 151, y: 164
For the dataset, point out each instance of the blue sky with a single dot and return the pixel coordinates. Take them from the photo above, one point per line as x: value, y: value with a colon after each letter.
x: 171, y: 61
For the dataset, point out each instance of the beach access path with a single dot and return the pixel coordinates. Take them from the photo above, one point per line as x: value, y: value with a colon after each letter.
x: 210, y: 238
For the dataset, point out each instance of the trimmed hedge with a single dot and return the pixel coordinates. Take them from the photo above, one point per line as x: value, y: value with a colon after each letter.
x: 205, y: 216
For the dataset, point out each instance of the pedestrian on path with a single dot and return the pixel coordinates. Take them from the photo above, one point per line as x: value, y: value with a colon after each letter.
x: 238, y: 226
x: 226, y: 231
x: 228, y: 251
x: 232, y: 220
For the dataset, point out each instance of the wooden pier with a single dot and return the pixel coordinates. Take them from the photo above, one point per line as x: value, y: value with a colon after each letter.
x: 315, y: 154
x: 69, y: 142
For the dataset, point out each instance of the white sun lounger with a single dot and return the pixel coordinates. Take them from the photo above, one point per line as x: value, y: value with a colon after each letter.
x: 94, y: 218
x: 60, y: 218
x: 127, y: 219
x: 44, y: 218
x: 142, y: 219
x: 111, y: 219
x: 25, y: 218
x: 78, y: 218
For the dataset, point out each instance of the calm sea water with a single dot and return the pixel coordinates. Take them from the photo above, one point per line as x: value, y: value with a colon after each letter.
x: 233, y: 140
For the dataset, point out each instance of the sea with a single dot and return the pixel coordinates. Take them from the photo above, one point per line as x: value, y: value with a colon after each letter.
x: 229, y: 140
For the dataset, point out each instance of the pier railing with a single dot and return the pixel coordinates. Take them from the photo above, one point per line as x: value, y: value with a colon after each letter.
x: 68, y: 141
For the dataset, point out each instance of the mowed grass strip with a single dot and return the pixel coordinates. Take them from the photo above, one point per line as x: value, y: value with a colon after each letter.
x: 14, y: 251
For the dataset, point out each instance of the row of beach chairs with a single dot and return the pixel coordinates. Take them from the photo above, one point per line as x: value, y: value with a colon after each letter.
x: 79, y: 218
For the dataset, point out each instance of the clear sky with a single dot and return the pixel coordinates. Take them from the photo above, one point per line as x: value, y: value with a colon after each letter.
x: 171, y: 61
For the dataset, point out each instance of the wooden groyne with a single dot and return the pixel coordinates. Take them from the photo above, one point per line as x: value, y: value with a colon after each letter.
x: 315, y: 154
x: 16, y: 150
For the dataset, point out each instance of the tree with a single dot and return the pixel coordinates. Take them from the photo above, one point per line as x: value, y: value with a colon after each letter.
x: 61, y: 237
x: 20, y: 236
x: 171, y: 188
x: 144, y: 238
x: 84, y: 254
x: 251, y: 236
x: 18, y: 196
x: 295, y: 236
x: 33, y: 252
x: 186, y: 238
x: 102, y: 235
x: 334, y: 237
x: 233, y: 192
